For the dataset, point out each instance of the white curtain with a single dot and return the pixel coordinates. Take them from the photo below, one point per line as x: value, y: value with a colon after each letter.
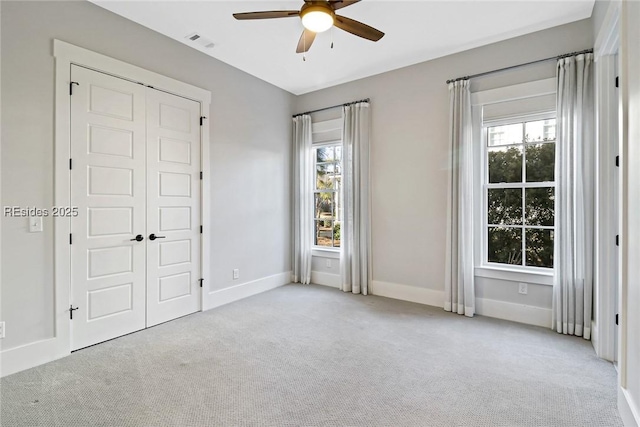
x: 459, y: 280
x: 573, y: 284
x: 355, y: 245
x: 303, y: 199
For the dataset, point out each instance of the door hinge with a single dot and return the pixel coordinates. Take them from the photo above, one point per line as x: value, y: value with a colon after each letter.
x: 201, y: 280
x: 70, y: 164
x: 71, y: 310
x: 71, y: 87
x: 616, y: 318
x: 202, y: 118
x: 617, y: 161
x: 70, y: 239
x: 200, y: 174
x: 200, y: 229
x: 617, y: 240
x: 617, y: 82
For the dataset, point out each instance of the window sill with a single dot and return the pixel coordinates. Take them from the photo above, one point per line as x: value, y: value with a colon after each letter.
x: 515, y: 275
x: 326, y: 253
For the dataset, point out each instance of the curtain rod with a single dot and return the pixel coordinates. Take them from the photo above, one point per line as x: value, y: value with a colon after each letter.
x: 566, y: 55
x: 328, y: 108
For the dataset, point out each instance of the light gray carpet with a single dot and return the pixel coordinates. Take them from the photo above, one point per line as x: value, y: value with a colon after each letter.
x: 314, y: 356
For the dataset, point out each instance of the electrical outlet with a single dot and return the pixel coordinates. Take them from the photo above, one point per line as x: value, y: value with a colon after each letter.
x: 328, y: 263
x: 236, y: 273
x: 35, y: 224
x: 2, y: 330
x: 522, y: 288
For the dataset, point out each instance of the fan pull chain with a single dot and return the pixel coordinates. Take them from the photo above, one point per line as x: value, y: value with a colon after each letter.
x: 331, y: 37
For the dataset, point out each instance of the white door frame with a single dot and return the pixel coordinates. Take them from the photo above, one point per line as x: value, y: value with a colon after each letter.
x: 66, y: 54
x: 607, y: 268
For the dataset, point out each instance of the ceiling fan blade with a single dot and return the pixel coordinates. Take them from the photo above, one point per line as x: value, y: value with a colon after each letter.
x: 340, y: 4
x: 358, y: 28
x: 267, y: 15
x: 306, y: 40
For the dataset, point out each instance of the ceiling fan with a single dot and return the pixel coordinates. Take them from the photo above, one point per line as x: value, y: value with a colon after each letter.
x: 318, y: 16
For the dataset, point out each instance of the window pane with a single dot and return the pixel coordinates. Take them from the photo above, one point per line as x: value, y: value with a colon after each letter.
x: 337, y: 182
x: 324, y: 233
x: 337, y: 206
x: 505, y: 164
x: 503, y: 135
x: 324, y: 205
x: 336, y: 234
x: 541, y: 162
x: 324, y: 154
x: 505, y: 245
x: 324, y: 176
x: 539, y: 247
x: 539, y: 206
x: 504, y: 206
x: 541, y: 130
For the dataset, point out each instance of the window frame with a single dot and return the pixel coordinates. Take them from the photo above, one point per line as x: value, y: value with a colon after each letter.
x: 315, y: 146
x: 486, y: 185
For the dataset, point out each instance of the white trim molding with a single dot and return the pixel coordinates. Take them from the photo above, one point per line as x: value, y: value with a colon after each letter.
x: 503, y: 273
x: 420, y: 295
x: 29, y: 355
x: 606, y: 274
x: 629, y: 411
x: 224, y: 296
x: 521, y: 313
x: 326, y: 279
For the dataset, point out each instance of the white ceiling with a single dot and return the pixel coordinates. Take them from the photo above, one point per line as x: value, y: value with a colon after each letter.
x: 416, y: 31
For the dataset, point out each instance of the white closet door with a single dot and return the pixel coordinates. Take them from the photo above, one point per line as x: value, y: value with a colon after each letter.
x: 173, y: 203
x: 108, y: 186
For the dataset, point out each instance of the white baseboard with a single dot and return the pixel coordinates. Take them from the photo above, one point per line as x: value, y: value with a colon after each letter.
x: 326, y: 279
x: 408, y: 293
x: 244, y: 290
x: 485, y: 307
x: 29, y: 356
x: 629, y: 412
x: 520, y: 313
x: 40, y: 352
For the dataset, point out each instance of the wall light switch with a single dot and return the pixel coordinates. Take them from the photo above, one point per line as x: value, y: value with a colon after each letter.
x: 35, y: 224
x: 522, y: 288
x: 2, y: 330
x: 328, y: 263
x: 236, y: 273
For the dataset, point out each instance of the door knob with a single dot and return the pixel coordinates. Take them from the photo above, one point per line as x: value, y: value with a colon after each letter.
x: 138, y: 238
x: 154, y: 237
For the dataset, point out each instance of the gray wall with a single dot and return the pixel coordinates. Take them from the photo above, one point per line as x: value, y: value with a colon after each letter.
x: 250, y: 151
x: 597, y: 16
x: 409, y: 152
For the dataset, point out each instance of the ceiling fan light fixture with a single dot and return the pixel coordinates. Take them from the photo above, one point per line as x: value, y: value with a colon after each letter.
x: 317, y: 18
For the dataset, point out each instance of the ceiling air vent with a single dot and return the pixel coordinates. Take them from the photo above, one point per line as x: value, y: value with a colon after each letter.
x: 196, y: 38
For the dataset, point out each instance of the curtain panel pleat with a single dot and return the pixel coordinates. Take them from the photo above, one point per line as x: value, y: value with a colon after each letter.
x: 575, y: 187
x: 459, y: 273
x: 303, y: 199
x: 355, y: 245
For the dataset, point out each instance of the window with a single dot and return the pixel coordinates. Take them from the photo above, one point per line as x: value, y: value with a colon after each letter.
x: 519, y: 192
x: 327, y: 192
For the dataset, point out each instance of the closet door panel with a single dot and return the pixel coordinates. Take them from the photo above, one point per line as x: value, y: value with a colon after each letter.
x: 173, y: 202
x: 108, y: 185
